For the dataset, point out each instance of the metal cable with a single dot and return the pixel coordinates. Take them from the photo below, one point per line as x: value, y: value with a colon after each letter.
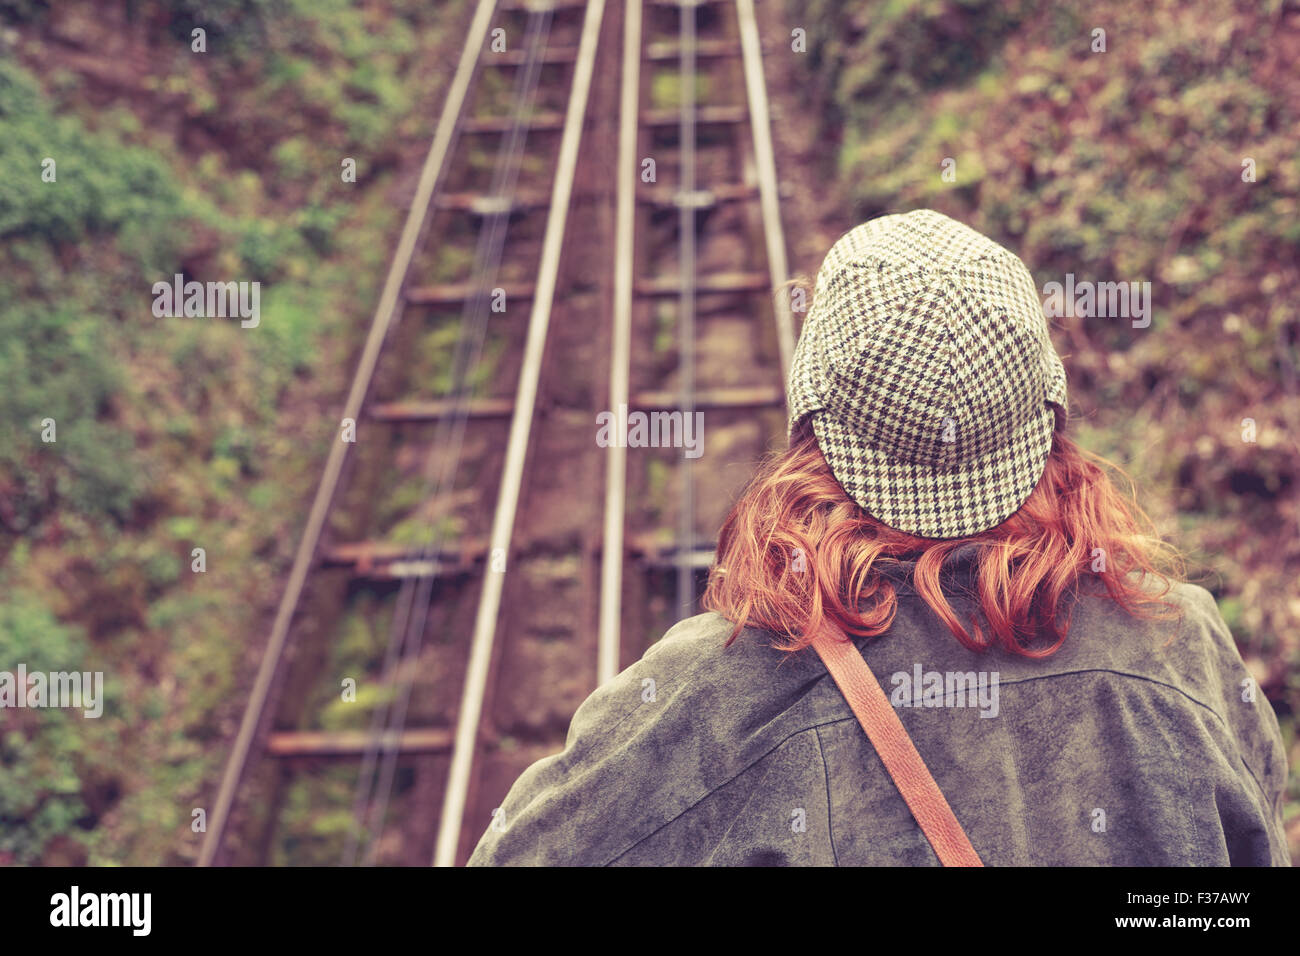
x: 485, y: 622
x: 387, y: 314
x: 411, y: 614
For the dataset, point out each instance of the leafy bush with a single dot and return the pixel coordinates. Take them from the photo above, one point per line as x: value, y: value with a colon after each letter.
x: 43, y: 751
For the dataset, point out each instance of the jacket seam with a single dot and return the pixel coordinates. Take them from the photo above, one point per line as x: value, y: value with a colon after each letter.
x: 1189, y: 809
x: 704, y: 796
x: 826, y: 771
x: 1031, y: 845
x: 731, y: 826
x: 1224, y: 725
x: 839, y: 720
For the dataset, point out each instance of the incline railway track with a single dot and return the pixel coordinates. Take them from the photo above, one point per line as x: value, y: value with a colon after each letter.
x: 476, y: 560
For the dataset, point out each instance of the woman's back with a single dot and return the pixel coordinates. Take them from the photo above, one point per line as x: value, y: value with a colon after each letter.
x: 1137, y: 743
x: 1074, y: 702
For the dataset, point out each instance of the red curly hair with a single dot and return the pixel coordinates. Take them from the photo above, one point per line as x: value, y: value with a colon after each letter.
x: 796, y: 550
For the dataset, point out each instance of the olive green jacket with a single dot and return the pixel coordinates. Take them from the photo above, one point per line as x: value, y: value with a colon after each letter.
x: 1137, y: 743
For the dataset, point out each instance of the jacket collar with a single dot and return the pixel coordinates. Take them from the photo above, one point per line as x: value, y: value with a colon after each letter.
x: 958, y: 569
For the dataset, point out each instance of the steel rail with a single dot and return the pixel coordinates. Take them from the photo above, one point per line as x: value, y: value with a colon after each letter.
x: 611, y: 579
x: 686, y: 302
x: 387, y: 314
x: 485, y: 623
x: 765, y: 159
x: 443, y: 459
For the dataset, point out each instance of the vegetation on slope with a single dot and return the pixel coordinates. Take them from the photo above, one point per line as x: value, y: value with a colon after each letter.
x: 174, y: 434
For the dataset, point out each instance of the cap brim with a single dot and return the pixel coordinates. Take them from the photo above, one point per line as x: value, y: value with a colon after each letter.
x: 939, y: 502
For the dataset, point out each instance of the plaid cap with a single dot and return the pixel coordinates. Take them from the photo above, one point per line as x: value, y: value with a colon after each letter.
x: 927, y: 369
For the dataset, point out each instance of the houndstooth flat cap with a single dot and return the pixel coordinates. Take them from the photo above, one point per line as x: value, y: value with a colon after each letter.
x: 928, y: 372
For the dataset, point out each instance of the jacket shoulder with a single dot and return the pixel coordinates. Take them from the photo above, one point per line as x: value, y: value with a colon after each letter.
x: 1197, y: 659
x: 1231, y: 687
x: 649, y: 745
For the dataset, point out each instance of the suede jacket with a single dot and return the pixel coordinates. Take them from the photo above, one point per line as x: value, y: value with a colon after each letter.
x: 1138, y: 742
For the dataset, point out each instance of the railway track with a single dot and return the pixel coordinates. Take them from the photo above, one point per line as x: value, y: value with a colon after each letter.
x: 475, y: 561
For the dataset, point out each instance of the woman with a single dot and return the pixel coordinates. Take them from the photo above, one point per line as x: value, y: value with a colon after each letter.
x: 1072, y: 703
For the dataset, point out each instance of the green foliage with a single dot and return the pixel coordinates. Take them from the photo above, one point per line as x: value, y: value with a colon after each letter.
x: 58, y: 347
x: 263, y: 248
x: 55, y: 367
x: 666, y: 89
x: 43, y: 751
x: 308, y: 836
x: 433, y: 362
x: 101, y: 187
x: 884, y: 54
x: 174, y: 433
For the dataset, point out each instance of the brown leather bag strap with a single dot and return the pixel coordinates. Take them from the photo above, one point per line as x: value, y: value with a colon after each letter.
x: 895, y: 747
